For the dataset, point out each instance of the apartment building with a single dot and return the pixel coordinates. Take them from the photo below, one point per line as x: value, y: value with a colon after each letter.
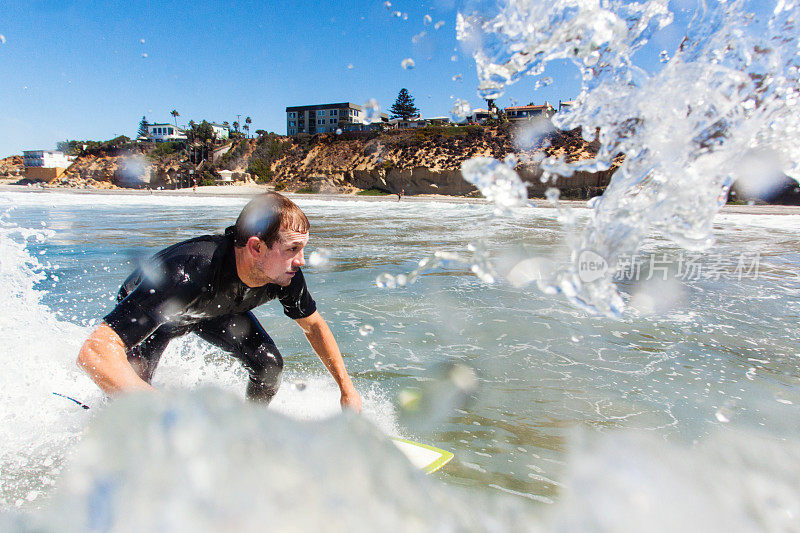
x: 326, y: 118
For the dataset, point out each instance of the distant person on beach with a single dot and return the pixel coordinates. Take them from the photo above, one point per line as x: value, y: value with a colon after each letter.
x: 209, y: 285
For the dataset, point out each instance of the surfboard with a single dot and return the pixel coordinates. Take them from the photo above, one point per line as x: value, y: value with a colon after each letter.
x: 425, y: 457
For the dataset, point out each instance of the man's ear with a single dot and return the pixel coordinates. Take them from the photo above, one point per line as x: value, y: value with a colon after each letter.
x: 255, y: 245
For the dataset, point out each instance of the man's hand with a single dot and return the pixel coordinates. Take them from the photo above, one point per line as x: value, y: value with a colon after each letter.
x: 351, y: 400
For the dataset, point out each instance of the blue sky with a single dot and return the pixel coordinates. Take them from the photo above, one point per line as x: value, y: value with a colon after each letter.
x: 77, y: 70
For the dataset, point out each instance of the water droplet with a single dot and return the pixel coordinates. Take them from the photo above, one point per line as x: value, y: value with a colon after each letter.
x: 350, y: 66
x: 461, y: 110
x: 407, y: 63
x: 387, y: 5
x: 144, y: 56
x: 453, y: 58
x: 338, y: 131
x: 2, y: 39
x: 365, y: 330
x: 663, y: 56
x: 320, y: 256
x: 141, y: 41
x: 552, y: 194
x: 418, y: 37
x: 372, y: 111
x: 427, y: 20
x: 438, y: 24
x: 458, y: 77
x: 385, y: 281
x: 299, y: 386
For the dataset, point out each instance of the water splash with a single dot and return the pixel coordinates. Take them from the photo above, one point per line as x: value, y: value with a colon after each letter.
x: 497, y: 181
x: 728, y: 94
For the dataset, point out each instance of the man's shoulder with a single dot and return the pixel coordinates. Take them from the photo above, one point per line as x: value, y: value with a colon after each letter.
x: 196, y: 260
x: 204, y: 246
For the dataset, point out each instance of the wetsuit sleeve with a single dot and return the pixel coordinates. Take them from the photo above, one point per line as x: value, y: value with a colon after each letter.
x: 159, y: 297
x: 296, y: 301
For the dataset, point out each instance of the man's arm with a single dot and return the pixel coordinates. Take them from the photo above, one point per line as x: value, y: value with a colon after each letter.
x: 319, y: 335
x: 103, y: 357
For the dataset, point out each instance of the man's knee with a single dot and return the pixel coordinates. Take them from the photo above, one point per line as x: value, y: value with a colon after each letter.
x: 265, y: 370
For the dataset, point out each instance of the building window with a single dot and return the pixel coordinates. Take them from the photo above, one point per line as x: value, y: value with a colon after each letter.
x: 170, y: 131
x: 321, y: 113
x: 332, y: 121
x: 334, y: 112
x: 291, y: 114
x: 320, y: 121
x: 291, y: 123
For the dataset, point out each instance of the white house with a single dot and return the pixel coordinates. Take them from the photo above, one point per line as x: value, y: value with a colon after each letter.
x: 164, y: 133
x: 45, y: 165
x: 46, y: 159
x: 220, y: 131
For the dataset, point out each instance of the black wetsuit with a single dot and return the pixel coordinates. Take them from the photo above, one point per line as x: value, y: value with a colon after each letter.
x: 193, y: 286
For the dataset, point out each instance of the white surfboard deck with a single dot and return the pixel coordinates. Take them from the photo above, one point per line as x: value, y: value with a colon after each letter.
x: 424, y: 457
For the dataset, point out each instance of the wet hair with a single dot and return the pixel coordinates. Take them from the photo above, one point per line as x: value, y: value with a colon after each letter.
x: 265, y: 215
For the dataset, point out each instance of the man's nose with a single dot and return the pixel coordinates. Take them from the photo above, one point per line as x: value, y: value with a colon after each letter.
x: 300, y: 259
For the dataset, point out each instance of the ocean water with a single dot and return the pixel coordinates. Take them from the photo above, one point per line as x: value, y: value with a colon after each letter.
x: 683, y: 412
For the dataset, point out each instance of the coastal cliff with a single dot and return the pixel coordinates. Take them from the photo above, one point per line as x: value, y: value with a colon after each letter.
x: 422, y: 161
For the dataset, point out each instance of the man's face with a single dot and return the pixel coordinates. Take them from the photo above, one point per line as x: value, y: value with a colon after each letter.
x: 279, y: 263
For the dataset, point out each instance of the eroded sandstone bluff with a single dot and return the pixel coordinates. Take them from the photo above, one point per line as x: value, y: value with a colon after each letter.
x: 424, y: 161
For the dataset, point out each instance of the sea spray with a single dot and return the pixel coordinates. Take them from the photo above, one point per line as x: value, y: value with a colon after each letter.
x: 37, y: 354
x: 723, y: 107
x: 204, y: 461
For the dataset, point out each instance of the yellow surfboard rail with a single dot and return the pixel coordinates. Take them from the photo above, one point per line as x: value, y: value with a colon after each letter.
x: 444, y: 456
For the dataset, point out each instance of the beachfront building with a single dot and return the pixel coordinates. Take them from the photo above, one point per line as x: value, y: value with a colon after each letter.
x: 479, y: 116
x: 566, y: 104
x: 437, y: 121
x: 45, y: 165
x: 220, y: 131
x: 405, y: 124
x: 326, y: 118
x: 527, y: 112
x: 164, y: 133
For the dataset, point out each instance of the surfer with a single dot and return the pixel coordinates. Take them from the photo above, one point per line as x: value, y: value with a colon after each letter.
x: 209, y: 285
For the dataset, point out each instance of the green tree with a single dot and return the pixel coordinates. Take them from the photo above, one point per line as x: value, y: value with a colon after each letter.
x: 404, y: 106
x: 175, y: 115
x: 204, y: 132
x: 236, y: 126
x: 247, y: 123
x: 143, y: 127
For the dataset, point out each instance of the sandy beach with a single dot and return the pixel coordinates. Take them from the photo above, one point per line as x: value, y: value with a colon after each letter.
x: 246, y: 191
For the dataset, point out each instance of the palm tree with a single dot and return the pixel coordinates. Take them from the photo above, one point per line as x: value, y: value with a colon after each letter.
x: 175, y: 115
x: 247, y: 123
x: 235, y: 126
